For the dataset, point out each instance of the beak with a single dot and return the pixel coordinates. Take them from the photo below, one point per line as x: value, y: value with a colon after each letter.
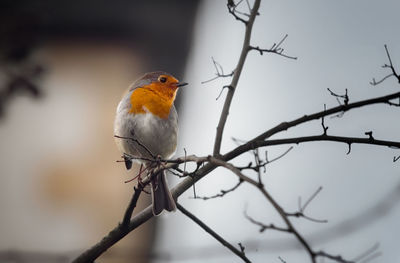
x: 181, y: 84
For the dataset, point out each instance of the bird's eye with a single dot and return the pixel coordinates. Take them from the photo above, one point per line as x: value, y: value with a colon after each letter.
x: 162, y: 79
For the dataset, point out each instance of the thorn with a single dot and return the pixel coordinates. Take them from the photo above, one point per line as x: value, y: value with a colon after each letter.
x: 348, y: 152
x: 369, y: 133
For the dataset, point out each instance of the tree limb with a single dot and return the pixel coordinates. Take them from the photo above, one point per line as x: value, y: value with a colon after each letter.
x: 235, y: 79
x: 213, y: 234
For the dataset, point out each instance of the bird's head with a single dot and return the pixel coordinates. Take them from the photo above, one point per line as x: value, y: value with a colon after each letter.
x: 154, y: 92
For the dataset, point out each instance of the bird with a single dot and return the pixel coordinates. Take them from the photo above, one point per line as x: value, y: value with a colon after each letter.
x: 146, y: 126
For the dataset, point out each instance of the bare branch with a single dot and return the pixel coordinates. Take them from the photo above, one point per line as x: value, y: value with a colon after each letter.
x: 345, y: 97
x: 366, y: 256
x: 262, y: 164
x: 206, y: 228
x: 210, y: 163
x: 220, y: 93
x: 306, y: 118
x: 258, y: 162
x: 114, y: 236
x: 390, y: 66
x: 335, y: 258
x: 325, y: 128
x: 138, y: 142
x: 277, y: 207
x: 221, y: 193
x: 245, y: 48
x: 232, y: 10
x: 374, y: 82
x: 274, y: 49
x: 118, y: 233
x: 132, y: 205
x: 264, y: 227
x: 298, y: 140
x: 219, y: 72
x: 205, y: 165
x: 302, y: 208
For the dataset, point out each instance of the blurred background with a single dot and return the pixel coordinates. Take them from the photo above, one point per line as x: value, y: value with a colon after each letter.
x: 64, y: 67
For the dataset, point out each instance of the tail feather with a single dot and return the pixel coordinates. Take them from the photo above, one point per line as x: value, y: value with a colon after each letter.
x: 161, y: 196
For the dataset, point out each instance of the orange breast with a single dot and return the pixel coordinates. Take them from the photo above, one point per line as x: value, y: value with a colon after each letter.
x: 153, y: 99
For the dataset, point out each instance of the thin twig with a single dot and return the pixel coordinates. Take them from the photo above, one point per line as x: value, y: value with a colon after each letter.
x: 232, y: 10
x: 138, y: 142
x: 275, y: 49
x: 263, y: 226
x: 206, y: 228
x: 367, y: 253
x: 302, y: 208
x: 280, y: 156
x: 332, y: 257
x: 391, y: 66
x: 219, y: 72
x: 221, y: 193
x: 345, y: 97
x: 325, y: 128
x: 220, y: 93
x: 258, y: 162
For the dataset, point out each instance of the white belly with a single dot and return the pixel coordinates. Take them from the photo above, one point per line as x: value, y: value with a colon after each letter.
x: 159, y: 136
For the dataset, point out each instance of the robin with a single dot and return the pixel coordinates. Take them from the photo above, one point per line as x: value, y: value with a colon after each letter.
x: 146, y: 126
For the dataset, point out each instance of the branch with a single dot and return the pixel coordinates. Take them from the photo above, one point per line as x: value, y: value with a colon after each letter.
x: 114, y: 236
x: 221, y: 193
x: 138, y: 142
x: 275, y: 49
x: 236, y: 76
x: 205, y: 165
x: 118, y: 233
x: 277, y: 207
x: 345, y: 97
x: 132, y: 205
x: 335, y: 258
x: 264, y: 227
x: 306, y: 118
x: 392, y: 69
x: 323, y: 137
x: 232, y: 10
x: 219, y: 72
x: 302, y: 208
x: 225, y: 243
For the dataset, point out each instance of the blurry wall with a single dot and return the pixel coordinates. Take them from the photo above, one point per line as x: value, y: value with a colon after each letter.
x: 64, y: 67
